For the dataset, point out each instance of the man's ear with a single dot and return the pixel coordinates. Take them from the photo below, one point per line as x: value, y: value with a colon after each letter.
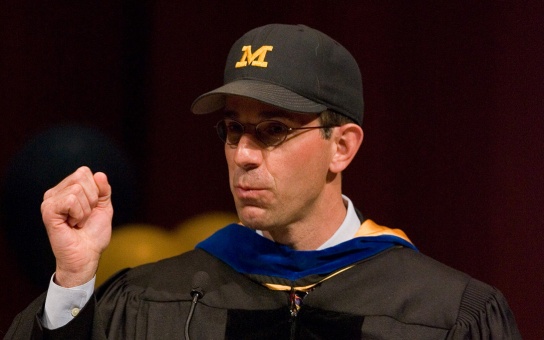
x: 348, y: 139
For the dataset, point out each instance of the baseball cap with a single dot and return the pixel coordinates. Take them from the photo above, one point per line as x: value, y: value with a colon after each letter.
x: 293, y: 67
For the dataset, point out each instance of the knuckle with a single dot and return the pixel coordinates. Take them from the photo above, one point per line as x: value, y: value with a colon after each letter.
x: 44, y: 207
x: 80, y: 174
x: 71, y: 199
x: 47, y: 194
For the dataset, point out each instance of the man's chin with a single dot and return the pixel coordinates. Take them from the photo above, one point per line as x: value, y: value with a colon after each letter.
x: 253, y: 217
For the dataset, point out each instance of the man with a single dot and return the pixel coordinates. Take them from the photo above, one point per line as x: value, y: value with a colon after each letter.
x: 303, y: 262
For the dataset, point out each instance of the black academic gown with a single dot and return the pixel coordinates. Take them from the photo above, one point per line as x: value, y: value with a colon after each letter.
x: 397, y: 293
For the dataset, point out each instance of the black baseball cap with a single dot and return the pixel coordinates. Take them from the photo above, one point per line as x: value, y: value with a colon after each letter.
x: 293, y: 67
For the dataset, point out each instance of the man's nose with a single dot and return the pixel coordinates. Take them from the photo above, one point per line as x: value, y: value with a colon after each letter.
x: 248, y: 153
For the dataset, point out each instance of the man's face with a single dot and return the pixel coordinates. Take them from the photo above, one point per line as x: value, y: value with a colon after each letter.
x: 277, y: 187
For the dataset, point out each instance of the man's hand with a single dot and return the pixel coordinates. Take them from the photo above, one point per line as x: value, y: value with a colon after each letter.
x: 77, y: 214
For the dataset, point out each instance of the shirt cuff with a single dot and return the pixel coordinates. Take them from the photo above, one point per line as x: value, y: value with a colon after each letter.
x: 63, y: 304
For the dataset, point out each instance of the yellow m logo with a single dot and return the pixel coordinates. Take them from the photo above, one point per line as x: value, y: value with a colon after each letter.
x: 248, y: 58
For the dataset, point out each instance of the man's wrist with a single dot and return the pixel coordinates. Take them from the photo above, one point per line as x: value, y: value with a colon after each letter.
x: 63, y: 304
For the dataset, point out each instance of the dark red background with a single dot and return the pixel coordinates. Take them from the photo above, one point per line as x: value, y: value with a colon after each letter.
x: 454, y: 121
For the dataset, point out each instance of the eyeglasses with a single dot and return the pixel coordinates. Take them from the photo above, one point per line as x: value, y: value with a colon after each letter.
x: 268, y: 132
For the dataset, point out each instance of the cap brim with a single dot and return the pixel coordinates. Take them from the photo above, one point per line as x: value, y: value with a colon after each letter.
x: 265, y: 92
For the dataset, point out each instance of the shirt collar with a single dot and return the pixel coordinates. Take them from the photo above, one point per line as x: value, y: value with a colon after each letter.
x: 347, y: 229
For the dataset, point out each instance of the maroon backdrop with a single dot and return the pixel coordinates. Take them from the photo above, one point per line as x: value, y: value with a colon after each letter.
x: 454, y: 125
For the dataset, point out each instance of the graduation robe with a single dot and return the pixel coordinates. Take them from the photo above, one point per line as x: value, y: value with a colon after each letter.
x: 371, y: 287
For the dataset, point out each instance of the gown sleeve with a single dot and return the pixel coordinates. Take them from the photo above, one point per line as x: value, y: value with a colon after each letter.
x: 87, y: 325
x: 484, y: 314
x: 28, y: 325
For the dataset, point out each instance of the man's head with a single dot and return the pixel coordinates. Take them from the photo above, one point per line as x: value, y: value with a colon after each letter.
x: 293, y: 67
x: 292, y: 106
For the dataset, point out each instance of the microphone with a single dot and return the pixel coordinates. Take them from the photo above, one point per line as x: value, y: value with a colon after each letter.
x: 200, y: 282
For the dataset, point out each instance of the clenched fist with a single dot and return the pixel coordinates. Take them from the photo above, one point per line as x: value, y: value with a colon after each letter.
x: 77, y: 214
